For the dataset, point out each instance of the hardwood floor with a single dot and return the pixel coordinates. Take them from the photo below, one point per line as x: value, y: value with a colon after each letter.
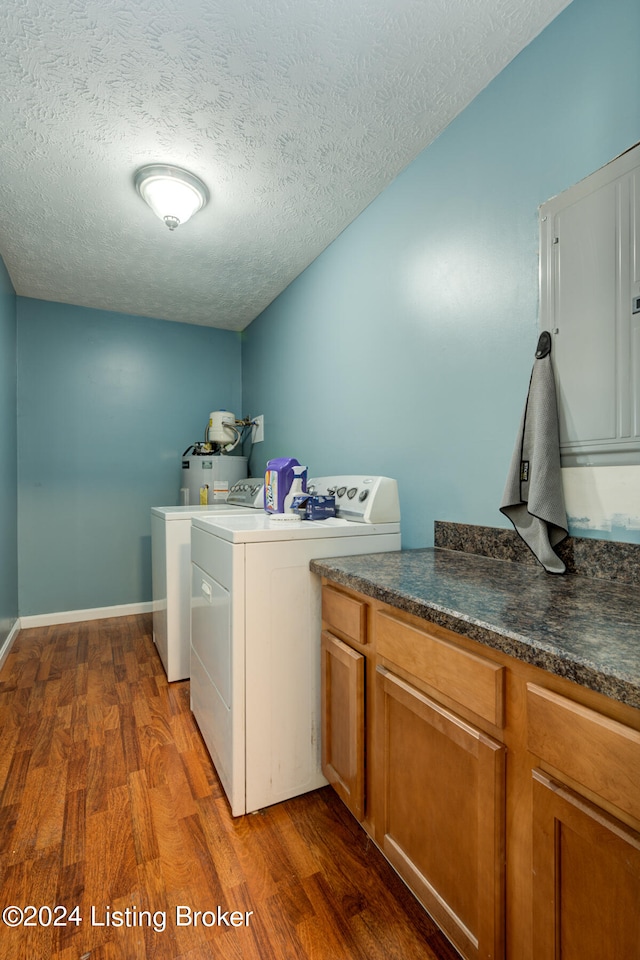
x: 109, y: 802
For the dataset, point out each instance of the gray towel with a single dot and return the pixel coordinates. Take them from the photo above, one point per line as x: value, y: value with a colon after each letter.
x: 533, y: 498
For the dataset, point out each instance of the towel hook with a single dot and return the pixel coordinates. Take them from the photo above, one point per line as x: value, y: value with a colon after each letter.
x: 544, y: 345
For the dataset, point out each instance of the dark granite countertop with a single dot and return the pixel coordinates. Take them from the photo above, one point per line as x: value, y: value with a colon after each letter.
x: 581, y: 628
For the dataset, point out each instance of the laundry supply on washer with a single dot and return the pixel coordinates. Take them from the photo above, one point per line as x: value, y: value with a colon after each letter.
x: 314, y: 507
x: 296, y: 488
x: 278, y: 479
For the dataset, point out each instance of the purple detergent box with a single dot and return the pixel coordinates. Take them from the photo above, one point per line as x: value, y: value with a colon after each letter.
x: 314, y: 507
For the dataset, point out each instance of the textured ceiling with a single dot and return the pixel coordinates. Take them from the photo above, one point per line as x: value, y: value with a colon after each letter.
x: 296, y: 114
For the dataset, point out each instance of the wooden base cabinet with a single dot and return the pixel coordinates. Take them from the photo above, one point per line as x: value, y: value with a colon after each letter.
x: 586, y: 887
x: 441, y: 819
x: 507, y: 798
x: 345, y: 648
x: 586, y: 859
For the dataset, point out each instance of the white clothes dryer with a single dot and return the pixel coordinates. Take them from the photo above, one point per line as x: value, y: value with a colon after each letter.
x: 255, y: 635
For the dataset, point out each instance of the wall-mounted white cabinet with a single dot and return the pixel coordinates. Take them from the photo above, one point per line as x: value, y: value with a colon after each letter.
x: 590, y: 302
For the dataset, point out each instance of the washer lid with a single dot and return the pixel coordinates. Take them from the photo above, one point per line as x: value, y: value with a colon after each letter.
x: 195, y: 510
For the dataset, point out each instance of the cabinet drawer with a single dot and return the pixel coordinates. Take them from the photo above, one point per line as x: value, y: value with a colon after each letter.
x: 601, y: 754
x: 344, y: 614
x: 470, y: 680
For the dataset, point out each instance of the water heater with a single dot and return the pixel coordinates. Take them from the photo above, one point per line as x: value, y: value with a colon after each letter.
x: 207, y: 472
x: 207, y: 478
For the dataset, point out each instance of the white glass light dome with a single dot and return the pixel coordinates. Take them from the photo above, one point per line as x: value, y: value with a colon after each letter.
x: 173, y: 194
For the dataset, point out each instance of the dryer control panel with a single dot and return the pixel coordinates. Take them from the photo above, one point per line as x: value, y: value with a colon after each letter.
x: 363, y: 499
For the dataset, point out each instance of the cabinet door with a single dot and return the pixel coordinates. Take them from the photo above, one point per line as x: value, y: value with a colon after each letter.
x: 586, y: 878
x: 442, y: 796
x: 343, y: 721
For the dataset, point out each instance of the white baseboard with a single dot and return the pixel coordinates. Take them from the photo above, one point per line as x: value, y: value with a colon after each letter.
x: 8, y: 643
x: 76, y: 616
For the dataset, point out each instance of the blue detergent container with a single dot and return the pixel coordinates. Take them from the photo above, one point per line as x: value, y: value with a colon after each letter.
x: 277, y: 483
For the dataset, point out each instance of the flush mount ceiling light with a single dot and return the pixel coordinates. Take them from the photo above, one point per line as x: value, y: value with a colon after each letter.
x: 173, y: 194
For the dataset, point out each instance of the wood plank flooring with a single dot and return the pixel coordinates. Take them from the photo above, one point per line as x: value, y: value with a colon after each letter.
x: 109, y: 803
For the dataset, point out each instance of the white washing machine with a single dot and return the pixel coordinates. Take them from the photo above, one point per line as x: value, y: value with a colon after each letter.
x: 171, y: 570
x: 255, y: 635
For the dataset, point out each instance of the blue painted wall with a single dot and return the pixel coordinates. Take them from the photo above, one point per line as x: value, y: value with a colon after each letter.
x: 406, y: 347
x: 106, y: 407
x: 8, y: 458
